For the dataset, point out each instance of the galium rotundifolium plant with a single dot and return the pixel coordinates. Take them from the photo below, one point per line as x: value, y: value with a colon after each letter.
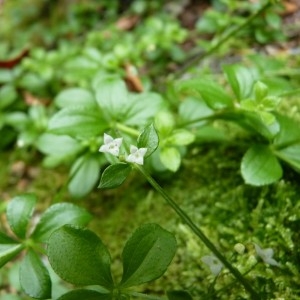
x: 79, y: 256
x: 116, y: 173
x: 252, y: 106
x: 31, y: 240
x: 84, y: 114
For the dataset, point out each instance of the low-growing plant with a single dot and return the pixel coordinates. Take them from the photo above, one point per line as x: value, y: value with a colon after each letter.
x: 85, y: 114
x: 79, y: 256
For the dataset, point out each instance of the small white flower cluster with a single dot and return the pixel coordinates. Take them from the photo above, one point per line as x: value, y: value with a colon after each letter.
x: 213, y: 263
x: 112, y: 146
x: 266, y: 255
x: 216, y: 265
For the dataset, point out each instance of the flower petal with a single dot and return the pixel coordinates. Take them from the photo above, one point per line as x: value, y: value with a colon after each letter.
x: 133, y: 149
x: 107, y: 139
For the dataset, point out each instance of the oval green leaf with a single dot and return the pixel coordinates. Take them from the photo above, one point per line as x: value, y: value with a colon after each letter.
x: 148, y: 139
x: 34, y: 277
x: 241, y: 80
x: 58, y: 215
x: 147, y: 254
x: 260, y: 166
x: 78, y: 256
x: 112, y: 97
x: 75, y: 96
x: 9, y: 251
x: 170, y: 158
x: 212, y: 93
x: 141, y: 108
x: 58, y: 145
x: 114, y: 175
x: 84, y: 175
x: 19, y: 211
x: 180, y: 137
x: 77, y: 121
x: 86, y: 295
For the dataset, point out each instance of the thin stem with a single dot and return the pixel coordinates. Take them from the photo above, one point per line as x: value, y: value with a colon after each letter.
x: 144, y: 296
x: 290, y: 93
x: 200, y: 55
x: 127, y: 129
x: 199, y: 233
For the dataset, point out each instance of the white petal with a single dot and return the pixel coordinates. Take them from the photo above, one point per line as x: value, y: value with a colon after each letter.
x: 114, y: 151
x: 118, y: 141
x: 258, y: 250
x: 213, y: 262
x: 107, y: 138
x: 216, y: 269
x: 272, y: 262
x: 139, y: 160
x: 104, y: 148
x: 130, y: 158
x: 142, y: 151
x: 133, y: 149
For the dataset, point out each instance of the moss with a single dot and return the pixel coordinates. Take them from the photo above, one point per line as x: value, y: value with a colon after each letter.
x: 210, y: 189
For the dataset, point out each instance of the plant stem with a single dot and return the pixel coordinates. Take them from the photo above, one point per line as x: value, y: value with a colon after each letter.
x: 144, y: 296
x: 200, y: 55
x: 127, y: 129
x: 199, y: 233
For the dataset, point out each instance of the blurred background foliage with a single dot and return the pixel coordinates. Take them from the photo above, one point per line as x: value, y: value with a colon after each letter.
x: 49, y: 45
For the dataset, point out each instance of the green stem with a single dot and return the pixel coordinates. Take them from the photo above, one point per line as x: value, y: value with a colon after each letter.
x: 200, y: 55
x: 290, y: 93
x: 35, y: 246
x: 199, y: 233
x: 144, y: 296
x: 127, y: 129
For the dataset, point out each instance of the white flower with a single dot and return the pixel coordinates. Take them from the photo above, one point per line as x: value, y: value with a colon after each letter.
x: 266, y: 255
x: 111, y: 145
x: 136, y: 155
x: 214, y: 264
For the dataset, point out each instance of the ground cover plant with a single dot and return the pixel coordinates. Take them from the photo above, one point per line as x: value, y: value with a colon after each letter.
x: 149, y: 150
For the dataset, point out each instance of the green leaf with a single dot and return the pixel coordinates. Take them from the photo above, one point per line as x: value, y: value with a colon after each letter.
x: 77, y: 121
x: 19, y: 211
x: 241, y: 80
x: 85, y: 295
x: 112, y: 97
x: 180, y: 137
x: 148, y: 139
x: 273, y: 19
x: 4, y: 239
x: 164, y: 122
x: 267, y: 118
x: 170, y: 158
x: 192, y: 109
x: 141, y: 108
x: 270, y: 102
x: 212, y: 93
x: 84, y: 175
x: 114, y: 175
x: 147, y: 254
x: 260, y: 166
x: 75, y: 96
x: 58, y: 215
x: 78, y: 256
x: 9, y: 251
x: 34, y: 277
x: 291, y: 155
x: 58, y: 145
x: 289, y: 132
x: 8, y: 95
x: 179, y: 295
x: 260, y: 91
x: 252, y: 122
